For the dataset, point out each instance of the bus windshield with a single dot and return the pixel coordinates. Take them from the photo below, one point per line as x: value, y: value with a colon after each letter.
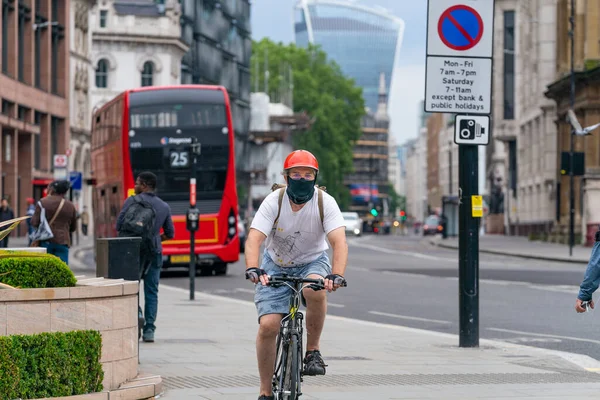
x: 159, y: 141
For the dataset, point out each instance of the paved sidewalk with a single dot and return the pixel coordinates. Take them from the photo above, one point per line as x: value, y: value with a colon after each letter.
x: 519, y: 246
x: 204, y: 349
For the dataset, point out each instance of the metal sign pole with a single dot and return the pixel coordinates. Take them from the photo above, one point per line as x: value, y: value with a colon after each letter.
x: 468, y: 247
x: 458, y: 80
x: 193, y: 216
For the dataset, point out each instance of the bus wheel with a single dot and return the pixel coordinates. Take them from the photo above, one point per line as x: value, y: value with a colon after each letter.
x: 221, y: 269
x: 204, y: 271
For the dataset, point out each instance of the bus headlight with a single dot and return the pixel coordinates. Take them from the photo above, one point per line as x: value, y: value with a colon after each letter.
x: 356, y: 231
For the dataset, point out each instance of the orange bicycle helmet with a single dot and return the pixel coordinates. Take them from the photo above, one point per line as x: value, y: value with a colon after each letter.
x: 300, y: 158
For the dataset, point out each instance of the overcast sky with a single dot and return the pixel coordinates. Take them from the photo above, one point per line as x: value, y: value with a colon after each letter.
x: 274, y: 19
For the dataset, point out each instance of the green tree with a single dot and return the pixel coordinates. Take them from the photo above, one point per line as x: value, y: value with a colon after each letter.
x: 334, y: 103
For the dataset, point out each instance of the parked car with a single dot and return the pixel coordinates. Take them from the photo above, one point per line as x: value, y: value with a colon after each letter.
x: 432, y: 225
x: 354, y: 225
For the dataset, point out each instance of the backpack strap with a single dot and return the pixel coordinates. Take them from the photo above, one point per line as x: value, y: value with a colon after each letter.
x: 279, y: 203
x: 320, y: 202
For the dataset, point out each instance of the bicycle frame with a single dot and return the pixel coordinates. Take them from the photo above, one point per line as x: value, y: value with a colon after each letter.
x: 290, y: 332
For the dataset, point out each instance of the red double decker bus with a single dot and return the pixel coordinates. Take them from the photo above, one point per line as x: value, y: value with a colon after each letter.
x: 151, y: 129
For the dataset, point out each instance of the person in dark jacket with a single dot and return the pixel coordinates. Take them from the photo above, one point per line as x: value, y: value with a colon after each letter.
x: 6, y: 214
x: 61, y: 214
x: 145, y: 186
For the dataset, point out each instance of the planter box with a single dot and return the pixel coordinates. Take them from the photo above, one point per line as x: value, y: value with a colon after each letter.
x: 107, y: 305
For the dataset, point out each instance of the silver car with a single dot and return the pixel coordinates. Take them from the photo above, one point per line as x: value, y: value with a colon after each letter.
x: 354, y: 225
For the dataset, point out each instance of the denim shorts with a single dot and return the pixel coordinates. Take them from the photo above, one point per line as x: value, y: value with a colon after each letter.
x: 269, y: 300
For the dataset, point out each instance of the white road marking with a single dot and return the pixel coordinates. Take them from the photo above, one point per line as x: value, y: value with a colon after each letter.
x: 244, y: 290
x: 531, y: 340
x: 405, y: 274
x: 335, y: 305
x: 404, y: 253
x: 408, y: 317
x: 359, y: 269
x: 545, y: 335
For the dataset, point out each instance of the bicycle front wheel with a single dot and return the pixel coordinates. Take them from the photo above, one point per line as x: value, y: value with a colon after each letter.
x: 292, y: 372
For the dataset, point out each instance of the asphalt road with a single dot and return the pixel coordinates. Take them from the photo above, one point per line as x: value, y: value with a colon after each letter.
x: 405, y: 281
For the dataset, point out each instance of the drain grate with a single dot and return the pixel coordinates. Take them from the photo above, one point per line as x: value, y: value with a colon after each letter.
x: 190, y: 341
x: 237, y: 381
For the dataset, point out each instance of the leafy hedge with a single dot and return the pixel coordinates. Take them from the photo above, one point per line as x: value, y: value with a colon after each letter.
x: 50, y: 365
x: 27, y: 270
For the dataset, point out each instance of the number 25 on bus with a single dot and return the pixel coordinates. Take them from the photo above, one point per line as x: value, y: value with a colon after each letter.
x: 151, y: 129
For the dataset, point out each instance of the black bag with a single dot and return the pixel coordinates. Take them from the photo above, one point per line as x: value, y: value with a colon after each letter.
x: 138, y: 221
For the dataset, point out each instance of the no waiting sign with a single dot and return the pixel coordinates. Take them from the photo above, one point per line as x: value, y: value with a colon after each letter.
x: 458, y: 75
x: 460, y: 28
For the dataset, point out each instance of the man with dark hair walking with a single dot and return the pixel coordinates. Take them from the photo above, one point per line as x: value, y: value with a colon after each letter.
x: 136, y: 212
x: 62, y: 218
x: 6, y: 214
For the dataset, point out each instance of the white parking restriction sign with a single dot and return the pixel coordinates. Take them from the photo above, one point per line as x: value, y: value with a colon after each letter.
x: 472, y: 129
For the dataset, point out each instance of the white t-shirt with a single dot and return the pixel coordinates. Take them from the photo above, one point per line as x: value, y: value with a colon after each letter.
x: 300, y: 237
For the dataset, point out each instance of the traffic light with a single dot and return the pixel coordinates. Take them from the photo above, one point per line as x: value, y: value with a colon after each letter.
x: 402, y: 215
x: 374, y: 212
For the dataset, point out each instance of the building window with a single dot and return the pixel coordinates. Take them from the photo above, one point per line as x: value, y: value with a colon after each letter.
x: 103, y: 18
x: 512, y: 167
x: 7, y: 9
x: 37, y: 152
x: 23, y: 114
x: 102, y: 74
x: 509, y: 65
x: 58, y: 33
x: 148, y: 73
x: 21, y: 43
x: 37, y: 55
x: 54, y: 127
x: 8, y: 108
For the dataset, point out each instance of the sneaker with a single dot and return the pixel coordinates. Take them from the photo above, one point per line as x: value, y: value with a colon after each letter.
x: 265, y: 397
x: 314, y: 364
x: 148, y: 337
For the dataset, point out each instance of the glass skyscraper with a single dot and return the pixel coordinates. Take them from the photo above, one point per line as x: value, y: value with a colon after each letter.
x: 364, y: 41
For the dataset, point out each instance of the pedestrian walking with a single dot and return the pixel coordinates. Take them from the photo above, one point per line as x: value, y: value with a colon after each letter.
x: 143, y: 215
x: 85, y: 220
x: 61, y: 215
x: 29, y: 213
x: 6, y: 214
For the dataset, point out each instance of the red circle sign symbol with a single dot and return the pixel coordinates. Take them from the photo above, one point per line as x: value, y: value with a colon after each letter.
x: 60, y: 161
x: 460, y: 27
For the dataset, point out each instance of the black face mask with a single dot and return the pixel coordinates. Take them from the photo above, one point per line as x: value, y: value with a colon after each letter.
x: 300, y: 191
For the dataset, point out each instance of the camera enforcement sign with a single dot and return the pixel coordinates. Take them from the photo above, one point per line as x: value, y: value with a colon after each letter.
x: 459, y: 56
x: 472, y: 129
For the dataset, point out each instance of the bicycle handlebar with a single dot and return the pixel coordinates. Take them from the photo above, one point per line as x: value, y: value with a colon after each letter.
x: 316, y: 284
x: 313, y: 283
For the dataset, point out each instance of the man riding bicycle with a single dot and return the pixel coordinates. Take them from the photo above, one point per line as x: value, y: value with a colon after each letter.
x: 295, y: 230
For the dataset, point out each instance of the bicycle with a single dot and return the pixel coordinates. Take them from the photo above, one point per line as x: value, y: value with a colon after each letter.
x: 287, y: 378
